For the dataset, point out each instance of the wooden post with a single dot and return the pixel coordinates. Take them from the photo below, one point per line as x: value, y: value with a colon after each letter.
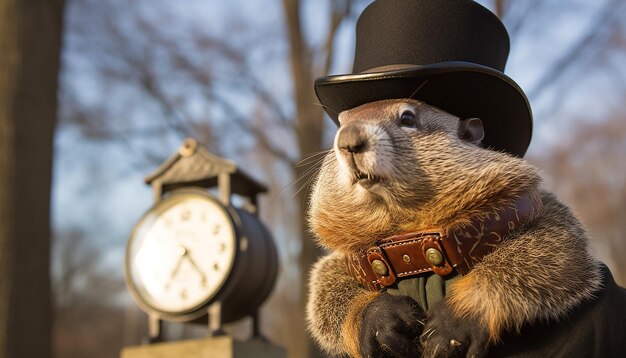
x: 223, y: 185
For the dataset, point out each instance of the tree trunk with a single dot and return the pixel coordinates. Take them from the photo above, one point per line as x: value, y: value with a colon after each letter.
x: 309, y: 129
x: 30, y: 38
x: 499, y: 8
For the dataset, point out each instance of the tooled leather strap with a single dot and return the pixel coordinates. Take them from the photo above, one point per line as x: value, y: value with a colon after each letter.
x: 440, y: 250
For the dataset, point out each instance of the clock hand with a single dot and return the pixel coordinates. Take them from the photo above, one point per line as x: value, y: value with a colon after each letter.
x: 193, y: 263
x: 182, y: 251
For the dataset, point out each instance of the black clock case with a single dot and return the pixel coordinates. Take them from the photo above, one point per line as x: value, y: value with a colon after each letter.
x: 250, y: 280
x: 254, y: 270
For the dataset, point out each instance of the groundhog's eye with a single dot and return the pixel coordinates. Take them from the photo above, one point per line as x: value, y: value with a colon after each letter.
x: 407, y: 119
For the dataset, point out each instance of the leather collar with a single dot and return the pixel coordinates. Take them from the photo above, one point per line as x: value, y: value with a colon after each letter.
x: 440, y: 250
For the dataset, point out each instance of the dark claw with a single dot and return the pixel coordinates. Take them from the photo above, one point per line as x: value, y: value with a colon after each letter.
x: 447, y: 336
x: 391, y: 327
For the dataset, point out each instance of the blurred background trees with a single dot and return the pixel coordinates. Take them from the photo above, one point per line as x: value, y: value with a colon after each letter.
x: 138, y: 77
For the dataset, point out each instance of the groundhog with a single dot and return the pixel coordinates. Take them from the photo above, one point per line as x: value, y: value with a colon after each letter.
x: 402, y: 166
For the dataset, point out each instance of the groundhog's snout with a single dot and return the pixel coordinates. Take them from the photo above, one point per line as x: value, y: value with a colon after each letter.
x: 362, y: 159
x: 352, y: 139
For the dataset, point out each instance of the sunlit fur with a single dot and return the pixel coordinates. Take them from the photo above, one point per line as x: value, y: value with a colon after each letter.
x: 328, y: 307
x: 432, y: 178
x: 436, y: 180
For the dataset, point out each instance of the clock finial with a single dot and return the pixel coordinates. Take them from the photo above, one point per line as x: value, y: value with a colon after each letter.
x: 188, y: 147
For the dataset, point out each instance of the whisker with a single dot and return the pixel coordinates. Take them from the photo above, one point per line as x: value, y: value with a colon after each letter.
x: 315, y: 161
x: 305, y: 185
x: 315, y: 156
x: 312, y: 168
x: 326, y: 107
x: 418, y: 88
x: 311, y: 162
x: 307, y: 173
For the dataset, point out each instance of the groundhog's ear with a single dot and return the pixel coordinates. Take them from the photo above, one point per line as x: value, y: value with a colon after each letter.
x: 471, y: 130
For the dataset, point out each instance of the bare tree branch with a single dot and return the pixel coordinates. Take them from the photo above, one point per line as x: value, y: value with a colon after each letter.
x: 499, y: 7
x: 594, y: 38
x: 259, y: 134
x: 340, y: 10
x: 516, y: 20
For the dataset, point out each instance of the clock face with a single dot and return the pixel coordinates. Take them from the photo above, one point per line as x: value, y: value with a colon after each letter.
x: 181, y: 252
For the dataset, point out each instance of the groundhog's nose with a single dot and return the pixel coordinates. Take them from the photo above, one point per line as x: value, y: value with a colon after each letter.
x: 352, y: 138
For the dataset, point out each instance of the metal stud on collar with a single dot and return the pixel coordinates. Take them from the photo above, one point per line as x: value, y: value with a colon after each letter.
x: 380, y: 268
x: 434, y: 257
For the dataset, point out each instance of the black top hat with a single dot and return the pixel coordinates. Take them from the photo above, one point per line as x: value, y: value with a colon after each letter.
x: 447, y: 53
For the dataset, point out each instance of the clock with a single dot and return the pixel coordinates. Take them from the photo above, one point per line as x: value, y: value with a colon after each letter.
x: 197, y: 257
x: 190, y: 250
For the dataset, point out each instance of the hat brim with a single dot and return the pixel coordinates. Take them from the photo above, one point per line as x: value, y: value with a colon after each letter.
x: 460, y: 88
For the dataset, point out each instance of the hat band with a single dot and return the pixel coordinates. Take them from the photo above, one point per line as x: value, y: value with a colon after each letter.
x: 395, y: 67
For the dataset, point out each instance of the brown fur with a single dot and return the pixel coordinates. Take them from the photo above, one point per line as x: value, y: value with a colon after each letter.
x: 431, y: 178
x: 548, y: 272
x: 438, y: 181
x: 328, y: 307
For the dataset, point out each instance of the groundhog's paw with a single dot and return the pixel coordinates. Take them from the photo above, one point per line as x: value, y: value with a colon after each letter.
x: 447, y: 336
x: 391, y: 327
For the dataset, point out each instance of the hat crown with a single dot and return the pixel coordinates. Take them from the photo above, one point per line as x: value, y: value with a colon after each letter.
x: 423, y: 32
